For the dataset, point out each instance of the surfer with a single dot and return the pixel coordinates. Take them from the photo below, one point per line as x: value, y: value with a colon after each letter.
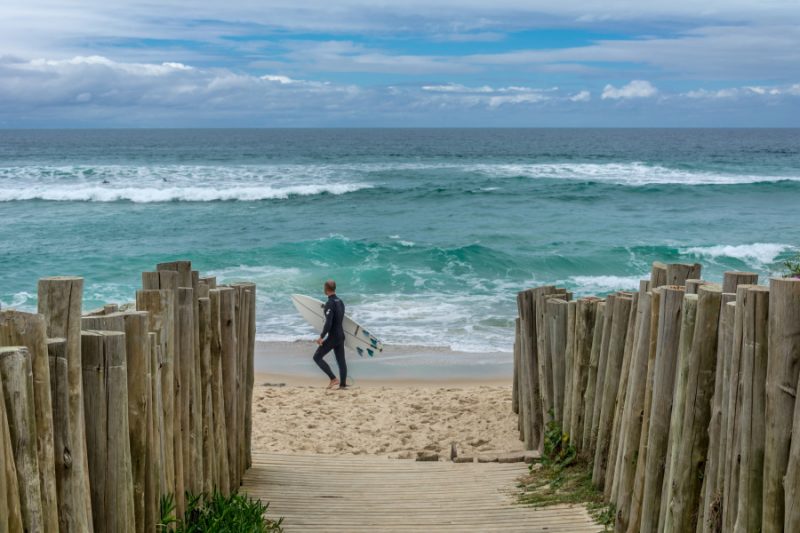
x: 332, y: 337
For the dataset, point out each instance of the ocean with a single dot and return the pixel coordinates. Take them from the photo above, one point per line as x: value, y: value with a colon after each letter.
x: 429, y: 233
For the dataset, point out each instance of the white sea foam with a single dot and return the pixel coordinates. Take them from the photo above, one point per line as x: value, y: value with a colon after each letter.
x: 757, y: 254
x: 633, y: 173
x: 586, y: 285
x: 100, y: 193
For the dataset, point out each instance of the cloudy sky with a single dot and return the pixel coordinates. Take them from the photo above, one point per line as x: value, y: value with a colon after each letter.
x: 131, y: 63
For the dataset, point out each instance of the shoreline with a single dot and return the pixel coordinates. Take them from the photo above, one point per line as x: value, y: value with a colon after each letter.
x: 291, y: 363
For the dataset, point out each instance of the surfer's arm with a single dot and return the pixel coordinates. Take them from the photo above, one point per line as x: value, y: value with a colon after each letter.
x: 328, y: 320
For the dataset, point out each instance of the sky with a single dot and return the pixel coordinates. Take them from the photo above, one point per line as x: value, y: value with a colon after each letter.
x: 409, y: 63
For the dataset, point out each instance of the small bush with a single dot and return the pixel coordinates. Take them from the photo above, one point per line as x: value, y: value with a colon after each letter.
x: 216, y: 513
x: 792, y: 266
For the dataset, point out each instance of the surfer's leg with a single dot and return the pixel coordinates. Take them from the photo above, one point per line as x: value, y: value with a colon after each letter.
x: 321, y: 352
x: 338, y: 351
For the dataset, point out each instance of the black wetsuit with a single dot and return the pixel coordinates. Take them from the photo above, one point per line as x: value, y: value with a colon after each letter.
x: 333, y: 335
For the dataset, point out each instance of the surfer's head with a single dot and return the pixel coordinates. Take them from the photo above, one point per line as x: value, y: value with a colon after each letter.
x: 330, y: 287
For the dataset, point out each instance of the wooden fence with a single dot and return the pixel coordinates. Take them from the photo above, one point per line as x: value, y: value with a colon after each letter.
x: 103, y: 413
x: 682, y: 396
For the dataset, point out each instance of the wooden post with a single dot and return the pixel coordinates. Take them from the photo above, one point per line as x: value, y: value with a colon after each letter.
x: 658, y: 275
x: 782, y: 375
x: 137, y: 350
x: 196, y: 393
x: 693, y: 285
x: 557, y: 311
x: 251, y: 373
x: 59, y: 301
x: 708, y: 510
x: 155, y: 477
x: 106, y: 403
x: 678, y: 273
x: 631, y: 428
x: 791, y: 482
x: 599, y: 389
x: 730, y: 492
x: 752, y: 399
x: 692, y: 445
x: 211, y: 281
x: 10, y: 512
x: 607, y: 401
x: 614, y: 450
x: 209, y: 452
x: 25, y: 329
x: 59, y: 393
x: 515, y: 389
x: 185, y: 407
x: 545, y: 362
x: 227, y: 318
x: 688, y: 322
x: 525, y: 416
x: 584, y: 332
x: 591, y: 379
x: 663, y: 385
x: 161, y: 314
x: 569, y: 356
x: 173, y: 449
x: 17, y: 377
x: 634, y: 517
x: 732, y: 279
x: 222, y: 480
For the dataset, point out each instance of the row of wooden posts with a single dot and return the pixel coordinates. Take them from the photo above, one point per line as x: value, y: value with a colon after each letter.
x: 103, y: 413
x: 682, y: 396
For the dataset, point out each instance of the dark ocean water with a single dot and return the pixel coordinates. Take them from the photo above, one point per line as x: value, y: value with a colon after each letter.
x: 429, y: 233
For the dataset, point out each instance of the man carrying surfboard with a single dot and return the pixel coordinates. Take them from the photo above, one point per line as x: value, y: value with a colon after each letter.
x: 332, y: 337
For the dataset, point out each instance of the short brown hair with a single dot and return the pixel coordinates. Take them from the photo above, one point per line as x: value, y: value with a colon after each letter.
x: 330, y: 285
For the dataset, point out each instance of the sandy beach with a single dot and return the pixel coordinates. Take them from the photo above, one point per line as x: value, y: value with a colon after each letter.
x: 389, y: 413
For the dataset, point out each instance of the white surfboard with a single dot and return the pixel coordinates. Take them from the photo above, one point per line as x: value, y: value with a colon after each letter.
x: 356, y: 337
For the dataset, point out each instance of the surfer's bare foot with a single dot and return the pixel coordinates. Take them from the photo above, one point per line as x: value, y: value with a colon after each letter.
x: 334, y: 382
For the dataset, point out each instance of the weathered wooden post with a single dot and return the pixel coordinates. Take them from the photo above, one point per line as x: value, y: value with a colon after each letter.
x: 17, y: 377
x: 631, y: 427
x: 515, y: 389
x: 26, y: 329
x: 227, y: 318
x: 732, y: 279
x: 692, y: 447
x: 709, y: 514
x: 59, y: 301
x: 222, y: 480
x: 209, y: 451
x: 161, y: 314
x: 584, y: 332
x: 557, y: 322
x: 186, y: 409
x: 634, y: 517
x: 663, y: 385
x: 688, y: 322
x: 569, y: 356
x: 106, y: 404
x: 155, y: 476
x: 752, y: 399
x: 607, y: 401
x: 791, y: 483
x: 137, y: 350
x: 591, y: 376
x: 782, y: 374
x: 658, y: 275
x: 599, y: 388
x: 678, y: 273
x: 730, y: 492
x: 10, y: 512
x: 545, y: 360
x: 612, y: 474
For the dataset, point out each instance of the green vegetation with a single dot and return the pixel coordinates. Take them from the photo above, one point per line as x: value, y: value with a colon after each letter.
x: 792, y: 266
x: 563, y: 477
x: 216, y: 513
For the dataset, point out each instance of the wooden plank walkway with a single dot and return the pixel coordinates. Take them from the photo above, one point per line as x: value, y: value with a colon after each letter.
x: 371, y: 494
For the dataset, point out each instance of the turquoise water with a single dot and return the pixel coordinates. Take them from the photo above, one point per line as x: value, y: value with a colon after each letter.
x: 429, y: 233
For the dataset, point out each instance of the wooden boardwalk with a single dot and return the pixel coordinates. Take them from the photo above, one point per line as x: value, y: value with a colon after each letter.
x: 370, y: 494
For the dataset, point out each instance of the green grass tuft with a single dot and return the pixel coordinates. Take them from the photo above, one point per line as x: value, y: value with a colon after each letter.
x: 215, y: 513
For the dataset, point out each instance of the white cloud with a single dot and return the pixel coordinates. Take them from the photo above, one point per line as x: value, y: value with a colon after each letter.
x: 744, y: 92
x: 582, y: 96
x: 634, y: 89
